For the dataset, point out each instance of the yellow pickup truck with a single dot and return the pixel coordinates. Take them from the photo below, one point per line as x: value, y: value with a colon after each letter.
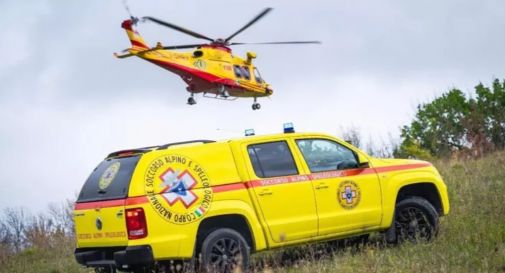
x: 215, y: 203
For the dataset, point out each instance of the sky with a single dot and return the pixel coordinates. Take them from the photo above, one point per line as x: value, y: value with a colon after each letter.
x: 66, y: 102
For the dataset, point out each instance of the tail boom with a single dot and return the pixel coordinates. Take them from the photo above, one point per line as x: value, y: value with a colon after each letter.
x: 136, y: 40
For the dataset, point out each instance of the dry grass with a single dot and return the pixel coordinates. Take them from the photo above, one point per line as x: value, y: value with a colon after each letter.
x: 471, y: 239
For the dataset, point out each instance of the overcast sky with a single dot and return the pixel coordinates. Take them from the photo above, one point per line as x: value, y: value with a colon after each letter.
x: 65, y: 102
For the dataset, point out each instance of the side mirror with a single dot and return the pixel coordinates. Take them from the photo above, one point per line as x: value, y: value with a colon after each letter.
x: 363, y: 161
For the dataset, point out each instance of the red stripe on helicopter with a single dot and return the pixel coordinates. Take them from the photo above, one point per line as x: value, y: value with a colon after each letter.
x: 139, y: 44
x: 201, y: 74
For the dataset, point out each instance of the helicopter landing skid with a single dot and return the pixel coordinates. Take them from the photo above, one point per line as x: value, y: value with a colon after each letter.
x: 219, y: 97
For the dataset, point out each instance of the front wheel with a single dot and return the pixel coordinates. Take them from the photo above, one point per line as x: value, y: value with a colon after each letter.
x: 225, y: 251
x: 415, y: 220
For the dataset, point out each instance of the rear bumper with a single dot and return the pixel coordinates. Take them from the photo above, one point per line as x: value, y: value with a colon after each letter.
x: 116, y: 257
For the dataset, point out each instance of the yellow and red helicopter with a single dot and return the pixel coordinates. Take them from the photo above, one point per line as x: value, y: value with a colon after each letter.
x: 211, y: 68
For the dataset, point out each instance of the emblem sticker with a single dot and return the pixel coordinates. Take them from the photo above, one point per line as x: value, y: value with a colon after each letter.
x: 348, y: 194
x: 200, y: 64
x: 178, y: 189
x: 109, y: 175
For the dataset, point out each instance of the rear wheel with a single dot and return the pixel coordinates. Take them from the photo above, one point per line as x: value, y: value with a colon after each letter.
x: 415, y: 220
x: 224, y: 251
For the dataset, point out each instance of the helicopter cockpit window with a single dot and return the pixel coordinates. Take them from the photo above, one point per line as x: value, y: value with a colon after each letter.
x: 246, y: 73
x: 257, y: 76
x: 238, y: 71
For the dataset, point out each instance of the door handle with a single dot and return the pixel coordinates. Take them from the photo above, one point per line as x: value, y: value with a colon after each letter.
x: 265, y: 192
x: 321, y: 186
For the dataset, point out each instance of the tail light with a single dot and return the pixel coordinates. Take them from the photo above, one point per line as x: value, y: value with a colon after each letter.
x: 136, y: 223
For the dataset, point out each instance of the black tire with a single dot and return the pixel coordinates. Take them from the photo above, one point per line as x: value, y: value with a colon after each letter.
x: 104, y: 270
x: 415, y: 220
x: 223, y: 250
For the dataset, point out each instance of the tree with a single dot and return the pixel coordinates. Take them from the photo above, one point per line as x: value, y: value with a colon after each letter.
x: 438, y: 125
x: 491, y: 104
x: 15, y: 220
x: 454, y: 124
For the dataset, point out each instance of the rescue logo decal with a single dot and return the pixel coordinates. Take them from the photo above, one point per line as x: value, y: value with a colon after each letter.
x: 200, y: 64
x: 178, y: 189
x: 108, y: 175
x: 348, y: 194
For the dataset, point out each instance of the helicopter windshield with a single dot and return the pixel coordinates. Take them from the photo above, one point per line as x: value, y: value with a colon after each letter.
x: 257, y: 75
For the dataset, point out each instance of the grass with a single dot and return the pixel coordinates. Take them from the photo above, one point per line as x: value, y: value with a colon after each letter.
x: 56, y: 259
x: 471, y: 238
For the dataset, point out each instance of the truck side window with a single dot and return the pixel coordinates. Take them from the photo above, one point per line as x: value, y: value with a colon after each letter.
x: 238, y: 71
x: 324, y: 155
x: 272, y: 159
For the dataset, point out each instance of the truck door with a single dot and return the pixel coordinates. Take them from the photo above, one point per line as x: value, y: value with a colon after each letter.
x: 285, y: 195
x: 348, y: 197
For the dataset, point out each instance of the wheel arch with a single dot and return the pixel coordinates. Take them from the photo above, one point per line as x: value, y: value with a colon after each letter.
x: 237, y: 222
x: 423, y: 187
x: 426, y: 190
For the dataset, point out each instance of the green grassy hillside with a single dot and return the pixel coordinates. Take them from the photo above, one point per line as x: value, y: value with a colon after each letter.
x: 471, y: 238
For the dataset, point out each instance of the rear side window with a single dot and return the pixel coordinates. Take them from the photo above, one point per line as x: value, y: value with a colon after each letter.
x: 272, y: 159
x: 110, y: 180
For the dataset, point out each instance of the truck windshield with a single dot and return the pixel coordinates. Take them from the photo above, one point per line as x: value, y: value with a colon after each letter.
x: 109, y: 180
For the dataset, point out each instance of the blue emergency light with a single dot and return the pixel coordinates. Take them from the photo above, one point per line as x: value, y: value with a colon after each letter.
x: 289, y: 127
x: 249, y: 132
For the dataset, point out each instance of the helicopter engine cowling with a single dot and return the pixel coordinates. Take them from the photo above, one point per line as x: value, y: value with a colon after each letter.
x: 250, y: 56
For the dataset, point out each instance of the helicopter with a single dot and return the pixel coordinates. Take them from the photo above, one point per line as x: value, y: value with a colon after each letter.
x: 210, y: 68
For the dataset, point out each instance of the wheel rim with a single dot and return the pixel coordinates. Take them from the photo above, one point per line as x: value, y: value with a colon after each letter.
x: 225, y: 255
x: 412, y: 224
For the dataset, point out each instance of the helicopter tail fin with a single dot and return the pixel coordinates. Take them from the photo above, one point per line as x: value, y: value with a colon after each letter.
x: 136, y: 40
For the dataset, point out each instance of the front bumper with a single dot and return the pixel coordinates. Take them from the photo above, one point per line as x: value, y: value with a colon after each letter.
x: 116, y: 257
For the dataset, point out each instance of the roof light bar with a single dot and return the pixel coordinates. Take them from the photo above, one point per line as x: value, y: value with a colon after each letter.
x: 249, y: 132
x: 289, y: 127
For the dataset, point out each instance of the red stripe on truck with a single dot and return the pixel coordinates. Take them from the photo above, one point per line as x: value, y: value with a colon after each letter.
x: 259, y: 183
x: 112, y: 203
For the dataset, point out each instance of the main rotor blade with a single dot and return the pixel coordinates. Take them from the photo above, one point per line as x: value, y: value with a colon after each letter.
x: 279, y: 43
x: 182, y: 46
x: 178, y: 28
x: 254, y: 20
x: 169, y: 47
